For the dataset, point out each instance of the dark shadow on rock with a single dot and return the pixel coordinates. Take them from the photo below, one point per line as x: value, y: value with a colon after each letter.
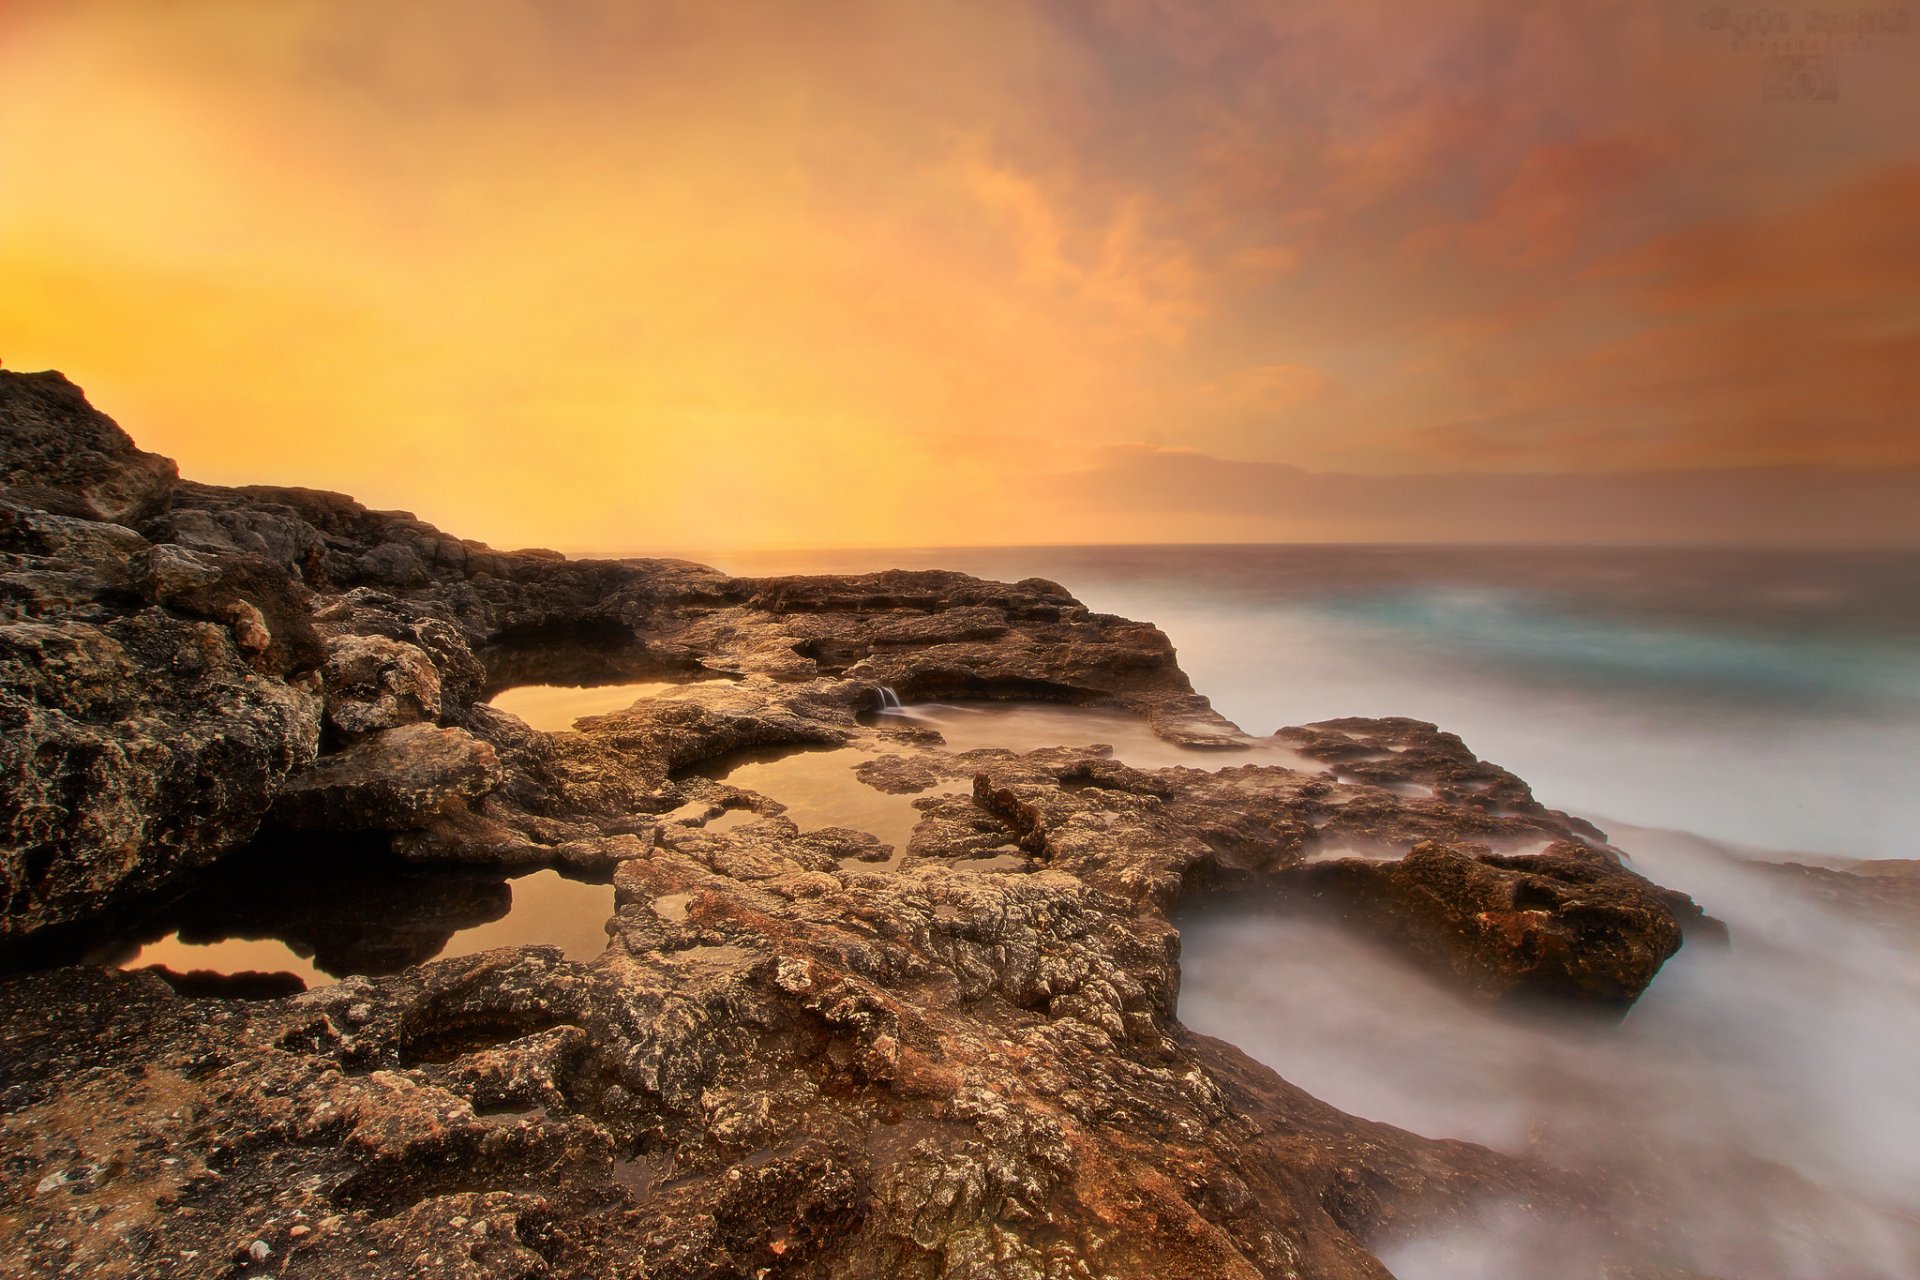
x: 583, y: 654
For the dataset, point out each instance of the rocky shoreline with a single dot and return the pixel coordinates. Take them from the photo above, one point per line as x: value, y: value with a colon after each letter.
x: 801, y: 1053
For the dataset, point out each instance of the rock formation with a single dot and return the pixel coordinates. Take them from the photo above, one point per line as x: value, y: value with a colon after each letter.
x: 801, y: 1053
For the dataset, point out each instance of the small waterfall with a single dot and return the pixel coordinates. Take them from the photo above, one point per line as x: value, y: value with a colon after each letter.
x: 889, y: 700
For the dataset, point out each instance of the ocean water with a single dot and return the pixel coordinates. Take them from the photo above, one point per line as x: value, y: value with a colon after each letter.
x: 1715, y: 711
x: 1718, y: 712
x: 1766, y: 698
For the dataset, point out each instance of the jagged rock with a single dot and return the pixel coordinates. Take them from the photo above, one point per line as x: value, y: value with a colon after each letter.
x: 701, y: 721
x: 54, y: 566
x: 394, y: 564
x: 1568, y: 923
x: 64, y: 456
x: 266, y: 612
x: 394, y: 780
x: 131, y: 752
x: 802, y: 1052
x: 1564, y: 919
x: 276, y: 535
x: 376, y: 683
x: 725, y: 1092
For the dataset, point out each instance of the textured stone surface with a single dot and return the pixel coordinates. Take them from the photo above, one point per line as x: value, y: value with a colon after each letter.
x: 396, y: 780
x: 63, y: 455
x: 1569, y: 922
x: 802, y: 1052
x: 132, y: 750
x: 375, y: 683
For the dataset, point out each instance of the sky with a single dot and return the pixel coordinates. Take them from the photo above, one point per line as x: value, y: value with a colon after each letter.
x: 593, y: 274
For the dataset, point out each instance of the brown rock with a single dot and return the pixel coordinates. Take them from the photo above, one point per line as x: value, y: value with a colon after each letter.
x: 1568, y: 924
x: 376, y: 683
x: 394, y: 780
x: 796, y: 1056
x: 64, y: 456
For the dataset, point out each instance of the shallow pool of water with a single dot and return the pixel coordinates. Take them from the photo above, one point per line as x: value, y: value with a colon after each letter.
x: 546, y: 908
x: 229, y: 956
x: 820, y: 789
x: 1031, y: 726
x: 554, y: 707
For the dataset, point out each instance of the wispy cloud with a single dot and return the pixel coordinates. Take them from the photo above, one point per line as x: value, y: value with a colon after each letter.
x: 544, y: 255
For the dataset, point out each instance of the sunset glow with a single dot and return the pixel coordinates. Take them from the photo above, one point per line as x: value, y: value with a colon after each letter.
x: 651, y: 277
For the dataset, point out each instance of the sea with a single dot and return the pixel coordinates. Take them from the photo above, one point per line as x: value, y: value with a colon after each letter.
x: 1763, y: 697
x: 1727, y: 716
x: 1719, y: 712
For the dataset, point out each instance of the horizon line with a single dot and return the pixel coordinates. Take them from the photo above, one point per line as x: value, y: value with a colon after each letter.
x: 691, y: 552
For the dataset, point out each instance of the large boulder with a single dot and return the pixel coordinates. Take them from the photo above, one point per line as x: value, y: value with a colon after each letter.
x: 1567, y: 924
x: 131, y: 752
x: 395, y: 780
x: 376, y: 683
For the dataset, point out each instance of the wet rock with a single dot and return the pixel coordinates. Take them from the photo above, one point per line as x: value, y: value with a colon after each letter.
x: 803, y: 1052
x: 1023, y: 820
x: 395, y: 780
x: 1884, y: 892
x: 1520, y: 903
x: 1415, y: 757
x: 699, y: 722
x: 376, y: 683
x: 1568, y: 924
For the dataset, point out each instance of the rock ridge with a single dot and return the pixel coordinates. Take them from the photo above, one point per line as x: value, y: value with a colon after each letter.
x: 802, y: 1052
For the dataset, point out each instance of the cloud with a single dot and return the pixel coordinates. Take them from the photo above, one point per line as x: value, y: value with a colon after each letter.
x: 1784, y: 338
x: 1119, y: 267
x: 754, y: 250
x: 1851, y: 247
x: 1271, y: 389
x: 1564, y: 198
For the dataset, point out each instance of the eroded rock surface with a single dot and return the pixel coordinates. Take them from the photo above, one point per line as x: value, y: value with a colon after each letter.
x: 802, y: 1053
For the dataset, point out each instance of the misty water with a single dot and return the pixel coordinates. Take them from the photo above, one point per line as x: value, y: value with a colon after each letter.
x: 1716, y: 712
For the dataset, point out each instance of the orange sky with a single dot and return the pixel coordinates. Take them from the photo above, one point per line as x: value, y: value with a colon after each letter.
x: 591, y: 274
